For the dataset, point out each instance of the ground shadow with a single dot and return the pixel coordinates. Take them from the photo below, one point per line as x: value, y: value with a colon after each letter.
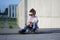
x: 39, y: 32
x: 44, y: 32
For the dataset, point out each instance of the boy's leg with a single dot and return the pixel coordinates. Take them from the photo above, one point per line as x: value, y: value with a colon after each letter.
x: 25, y: 28
x: 35, y: 26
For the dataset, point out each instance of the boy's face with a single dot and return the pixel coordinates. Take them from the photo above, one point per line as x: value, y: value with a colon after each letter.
x: 31, y: 14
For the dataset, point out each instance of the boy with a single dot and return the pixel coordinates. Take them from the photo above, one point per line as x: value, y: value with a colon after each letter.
x: 32, y: 21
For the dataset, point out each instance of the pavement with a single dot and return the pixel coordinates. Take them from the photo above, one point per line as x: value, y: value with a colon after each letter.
x: 8, y: 31
x: 47, y: 36
x: 42, y: 35
x: 41, y: 30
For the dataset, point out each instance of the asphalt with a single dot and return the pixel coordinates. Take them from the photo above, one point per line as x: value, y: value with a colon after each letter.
x: 39, y: 31
x: 46, y: 36
x: 42, y: 34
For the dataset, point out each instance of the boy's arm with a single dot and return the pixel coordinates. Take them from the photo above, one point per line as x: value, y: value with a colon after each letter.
x: 37, y: 21
x: 29, y: 21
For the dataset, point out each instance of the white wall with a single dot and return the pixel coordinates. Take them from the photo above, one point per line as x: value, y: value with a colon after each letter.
x: 21, y: 14
x: 48, y: 12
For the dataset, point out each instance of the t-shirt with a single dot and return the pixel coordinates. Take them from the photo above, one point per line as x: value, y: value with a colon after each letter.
x: 32, y: 19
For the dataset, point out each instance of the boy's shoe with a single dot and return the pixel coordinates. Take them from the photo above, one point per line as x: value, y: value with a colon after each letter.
x: 33, y: 30
x: 22, y: 31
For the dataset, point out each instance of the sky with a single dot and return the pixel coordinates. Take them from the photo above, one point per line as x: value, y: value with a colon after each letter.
x: 4, y: 3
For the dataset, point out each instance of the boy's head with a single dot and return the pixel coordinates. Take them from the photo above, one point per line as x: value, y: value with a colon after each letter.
x: 32, y: 12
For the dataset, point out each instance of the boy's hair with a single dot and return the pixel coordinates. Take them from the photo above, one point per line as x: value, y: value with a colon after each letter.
x: 33, y: 11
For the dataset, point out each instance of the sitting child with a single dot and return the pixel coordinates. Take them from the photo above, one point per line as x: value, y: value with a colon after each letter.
x: 32, y: 21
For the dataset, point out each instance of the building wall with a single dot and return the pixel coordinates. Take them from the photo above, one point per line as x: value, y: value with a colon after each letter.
x: 12, y: 11
x: 21, y: 14
x: 48, y: 12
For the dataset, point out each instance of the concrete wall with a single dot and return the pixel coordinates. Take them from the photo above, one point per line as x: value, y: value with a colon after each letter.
x: 48, y: 12
x: 21, y: 14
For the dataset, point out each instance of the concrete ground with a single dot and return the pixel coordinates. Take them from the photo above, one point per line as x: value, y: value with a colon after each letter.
x: 41, y: 30
x: 45, y: 36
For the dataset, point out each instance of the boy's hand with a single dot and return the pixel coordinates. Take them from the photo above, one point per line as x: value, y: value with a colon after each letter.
x: 31, y: 24
x: 35, y: 21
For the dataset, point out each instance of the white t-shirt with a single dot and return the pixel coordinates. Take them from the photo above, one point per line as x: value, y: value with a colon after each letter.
x: 32, y: 19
